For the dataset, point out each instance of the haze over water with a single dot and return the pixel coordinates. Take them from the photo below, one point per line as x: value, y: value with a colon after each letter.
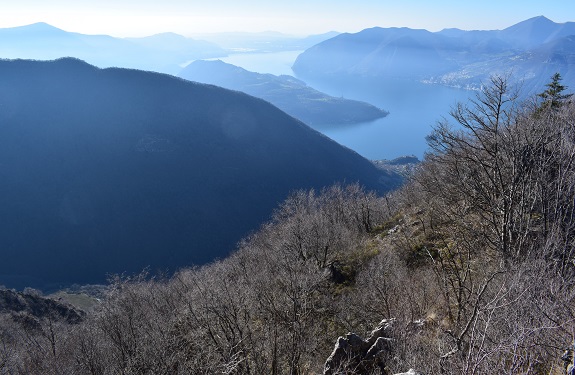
x: 414, y: 108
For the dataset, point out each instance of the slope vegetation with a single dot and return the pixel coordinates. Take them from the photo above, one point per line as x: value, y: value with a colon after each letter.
x: 466, y: 269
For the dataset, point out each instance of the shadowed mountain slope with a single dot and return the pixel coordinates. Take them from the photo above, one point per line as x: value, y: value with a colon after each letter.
x: 114, y: 170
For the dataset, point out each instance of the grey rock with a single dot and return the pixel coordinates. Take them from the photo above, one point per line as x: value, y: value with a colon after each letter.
x: 411, y: 372
x: 364, y: 356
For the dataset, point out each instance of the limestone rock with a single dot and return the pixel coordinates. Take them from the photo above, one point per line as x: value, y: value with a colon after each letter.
x: 363, y: 356
x: 410, y: 372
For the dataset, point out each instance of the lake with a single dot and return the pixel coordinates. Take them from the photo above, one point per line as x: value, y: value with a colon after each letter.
x: 414, y: 107
x: 276, y: 63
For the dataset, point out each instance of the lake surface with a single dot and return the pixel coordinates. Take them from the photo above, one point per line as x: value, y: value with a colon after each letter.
x: 276, y: 63
x: 414, y: 107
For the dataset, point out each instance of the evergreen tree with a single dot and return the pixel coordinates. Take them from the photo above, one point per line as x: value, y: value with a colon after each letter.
x: 554, y: 97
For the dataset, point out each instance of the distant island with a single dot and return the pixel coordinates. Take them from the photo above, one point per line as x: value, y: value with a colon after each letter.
x: 285, y: 92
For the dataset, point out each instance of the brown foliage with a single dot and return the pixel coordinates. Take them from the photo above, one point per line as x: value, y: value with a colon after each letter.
x: 473, y: 258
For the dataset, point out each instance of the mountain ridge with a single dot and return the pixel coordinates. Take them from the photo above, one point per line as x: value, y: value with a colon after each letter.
x: 454, y: 57
x: 42, y: 41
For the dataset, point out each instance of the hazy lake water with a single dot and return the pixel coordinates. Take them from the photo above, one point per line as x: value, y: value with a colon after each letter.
x: 276, y: 63
x: 414, y: 107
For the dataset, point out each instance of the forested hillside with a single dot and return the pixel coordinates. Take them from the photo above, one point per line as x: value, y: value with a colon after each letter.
x: 468, y: 269
x: 114, y: 170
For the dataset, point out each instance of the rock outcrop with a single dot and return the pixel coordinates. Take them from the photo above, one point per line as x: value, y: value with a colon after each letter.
x: 410, y: 372
x: 352, y: 353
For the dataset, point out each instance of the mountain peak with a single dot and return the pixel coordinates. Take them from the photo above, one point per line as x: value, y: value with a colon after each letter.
x: 34, y: 30
x: 165, y: 36
x: 534, y: 22
x: 540, y: 19
x: 39, y: 27
x: 536, y: 31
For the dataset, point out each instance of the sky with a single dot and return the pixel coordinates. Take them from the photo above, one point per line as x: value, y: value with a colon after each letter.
x: 123, y: 18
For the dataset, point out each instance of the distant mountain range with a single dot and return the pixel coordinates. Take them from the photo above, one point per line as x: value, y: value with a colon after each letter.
x: 530, y: 51
x: 113, y: 170
x: 286, y: 92
x: 269, y: 41
x: 162, y: 52
x: 165, y: 52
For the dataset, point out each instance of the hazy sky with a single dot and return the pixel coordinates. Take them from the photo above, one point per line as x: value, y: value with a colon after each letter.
x: 146, y: 17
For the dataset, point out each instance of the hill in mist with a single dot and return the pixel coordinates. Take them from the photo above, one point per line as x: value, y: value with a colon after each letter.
x: 286, y: 92
x: 266, y: 41
x: 162, y: 52
x: 530, y: 51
